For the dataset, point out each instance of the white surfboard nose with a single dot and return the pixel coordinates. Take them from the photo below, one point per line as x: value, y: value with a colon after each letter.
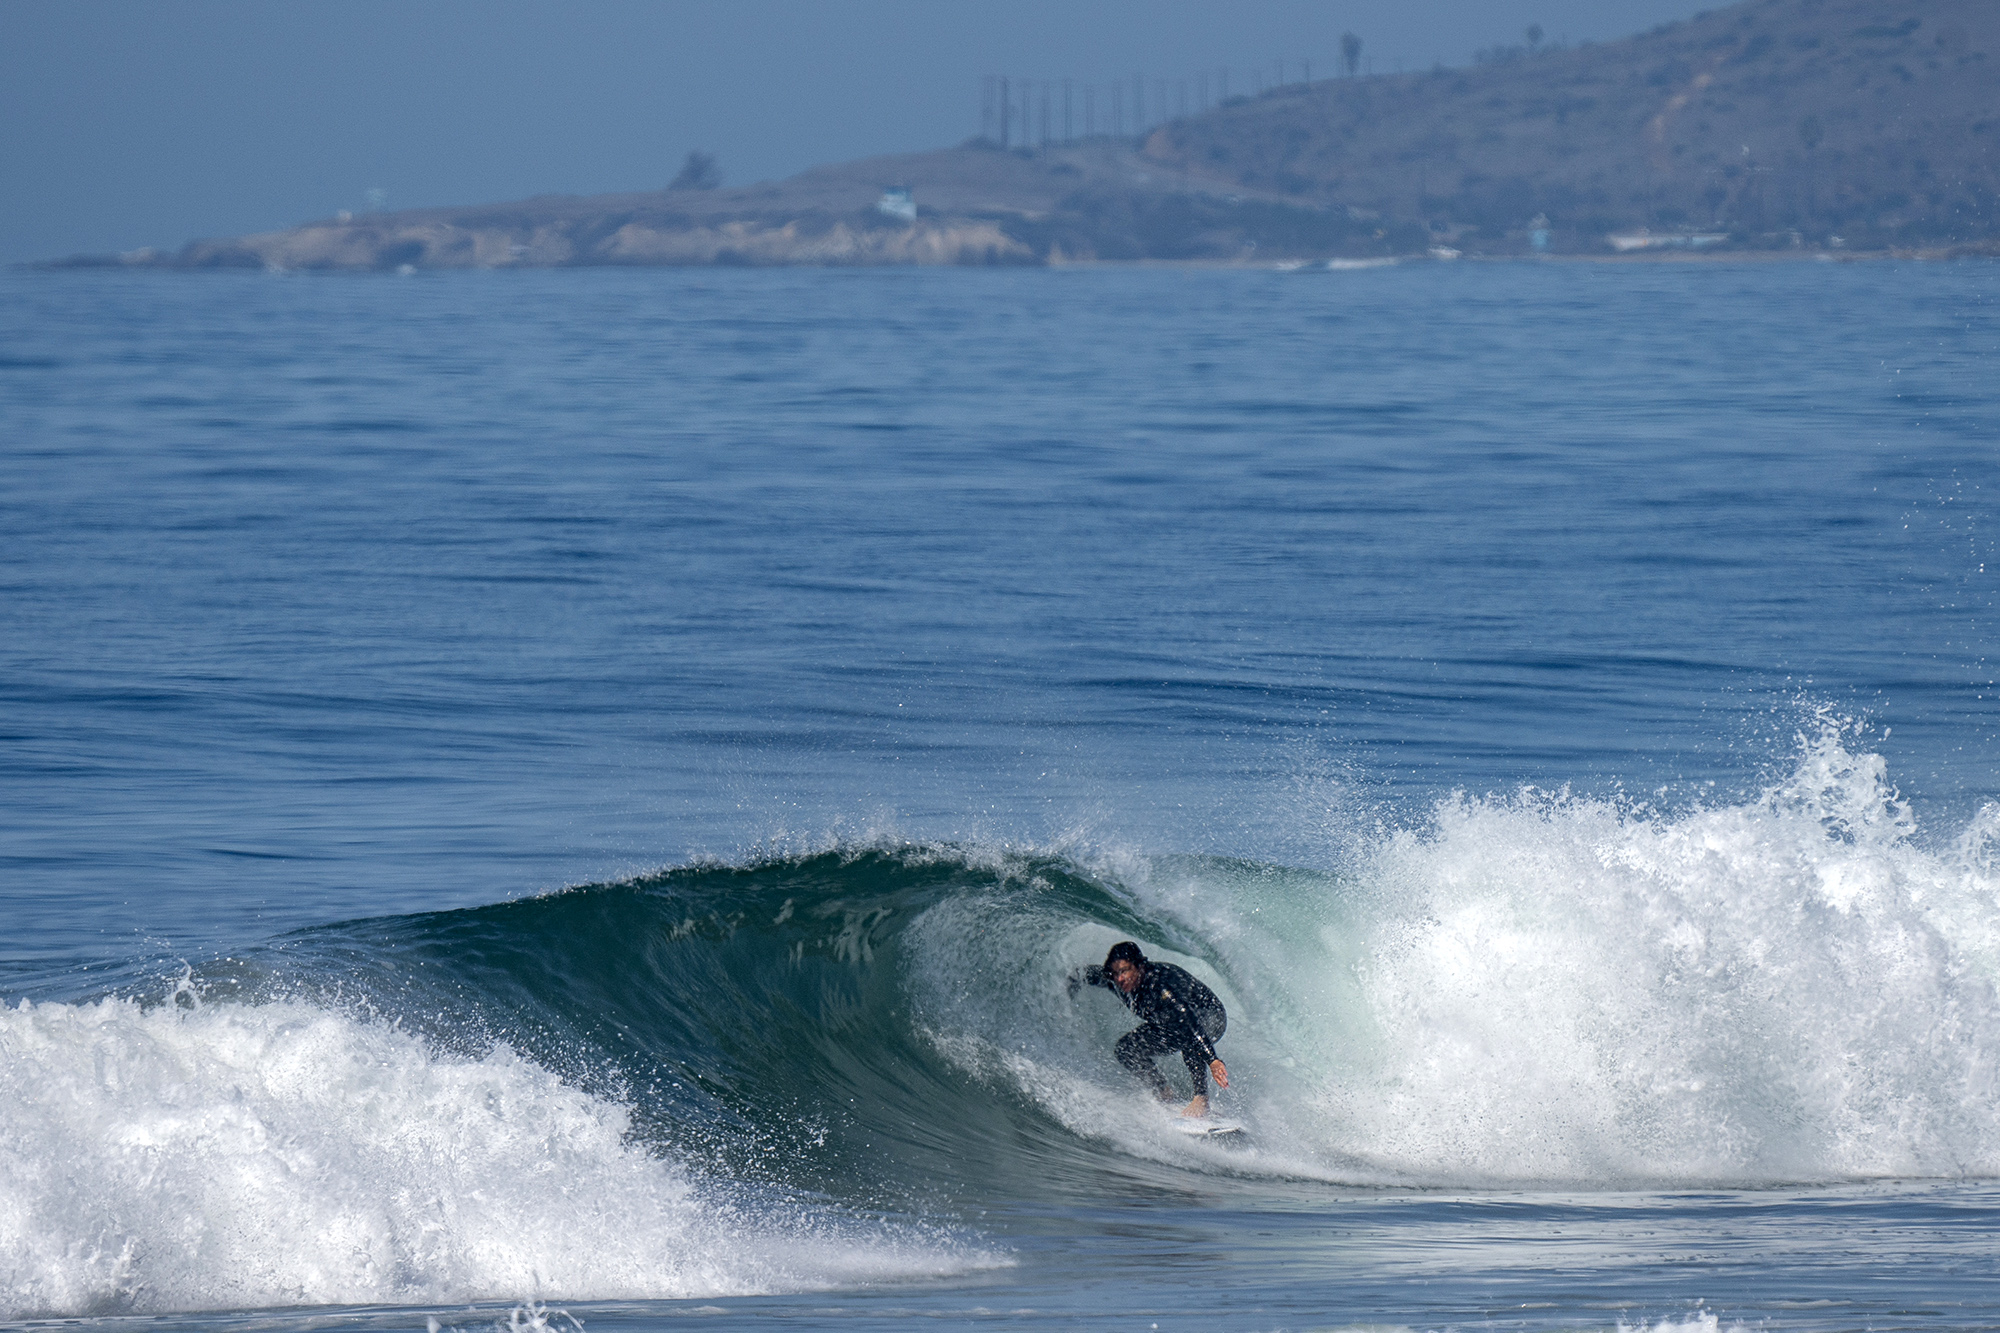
x: 1207, y: 1127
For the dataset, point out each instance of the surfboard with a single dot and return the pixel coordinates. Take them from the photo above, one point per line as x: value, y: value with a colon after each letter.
x: 1208, y: 1127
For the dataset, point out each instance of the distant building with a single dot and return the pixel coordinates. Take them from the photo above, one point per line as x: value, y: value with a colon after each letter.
x: 897, y: 203
x: 1646, y: 240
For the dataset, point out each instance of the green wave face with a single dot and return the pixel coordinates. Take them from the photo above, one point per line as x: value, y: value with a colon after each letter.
x: 887, y: 1026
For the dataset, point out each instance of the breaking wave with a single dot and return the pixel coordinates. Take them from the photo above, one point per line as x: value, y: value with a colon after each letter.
x: 233, y: 1156
x: 724, y: 1079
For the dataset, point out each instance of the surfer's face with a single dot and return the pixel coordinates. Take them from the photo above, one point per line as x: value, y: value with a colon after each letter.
x: 1126, y: 975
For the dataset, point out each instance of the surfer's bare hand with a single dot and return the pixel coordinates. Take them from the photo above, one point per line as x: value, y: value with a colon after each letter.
x: 1221, y: 1074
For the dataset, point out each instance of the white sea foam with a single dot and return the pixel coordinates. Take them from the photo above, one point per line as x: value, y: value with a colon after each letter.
x: 1700, y: 1321
x: 1548, y: 988
x: 236, y: 1156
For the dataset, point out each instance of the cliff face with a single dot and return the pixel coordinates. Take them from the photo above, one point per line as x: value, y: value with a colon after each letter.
x: 1874, y: 120
x: 392, y: 242
x: 1863, y: 124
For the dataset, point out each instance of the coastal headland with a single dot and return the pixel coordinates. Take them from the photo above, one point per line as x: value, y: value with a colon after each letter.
x: 1801, y: 126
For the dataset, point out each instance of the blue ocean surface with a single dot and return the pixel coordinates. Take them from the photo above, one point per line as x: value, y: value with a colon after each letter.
x: 542, y: 799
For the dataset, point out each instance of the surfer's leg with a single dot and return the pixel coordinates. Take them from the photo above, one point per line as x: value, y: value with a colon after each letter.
x: 1136, y: 1050
x: 1213, y: 1022
x: 1197, y: 1067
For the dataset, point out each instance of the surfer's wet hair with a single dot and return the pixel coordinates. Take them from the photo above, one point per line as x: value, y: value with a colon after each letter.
x: 1124, y: 952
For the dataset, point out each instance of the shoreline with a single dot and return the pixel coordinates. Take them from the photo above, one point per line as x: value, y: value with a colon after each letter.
x: 1320, y: 264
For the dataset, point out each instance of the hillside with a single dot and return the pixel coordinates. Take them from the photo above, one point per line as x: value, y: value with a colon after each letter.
x: 1774, y: 124
x: 1877, y: 121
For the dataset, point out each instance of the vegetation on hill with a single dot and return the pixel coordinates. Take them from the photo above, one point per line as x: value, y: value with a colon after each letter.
x: 1775, y: 122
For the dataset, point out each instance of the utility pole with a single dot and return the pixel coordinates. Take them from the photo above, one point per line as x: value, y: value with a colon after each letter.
x: 1118, y: 107
x: 1138, y: 104
x: 1006, y: 111
x: 1090, y: 111
x: 1069, y: 135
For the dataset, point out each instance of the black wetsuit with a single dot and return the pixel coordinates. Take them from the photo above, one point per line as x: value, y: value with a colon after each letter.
x: 1176, y: 1013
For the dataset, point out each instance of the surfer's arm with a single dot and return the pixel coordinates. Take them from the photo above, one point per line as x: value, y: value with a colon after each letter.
x: 1206, y: 1049
x: 1198, y: 1038
x: 1092, y: 975
x: 1191, y: 1034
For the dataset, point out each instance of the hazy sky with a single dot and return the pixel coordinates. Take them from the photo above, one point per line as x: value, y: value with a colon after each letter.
x: 150, y: 123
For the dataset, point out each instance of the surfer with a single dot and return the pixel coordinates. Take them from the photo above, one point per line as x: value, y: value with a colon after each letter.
x: 1176, y: 1013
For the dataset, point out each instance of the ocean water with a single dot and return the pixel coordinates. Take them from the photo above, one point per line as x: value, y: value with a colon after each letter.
x: 539, y: 800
